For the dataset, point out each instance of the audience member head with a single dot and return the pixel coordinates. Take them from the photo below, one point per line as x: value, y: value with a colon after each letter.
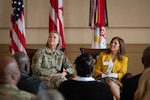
x: 121, y: 50
x: 23, y: 61
x: 52, y: 94
x: 146, y: 57
x: 9, y: 71
x: 54, y: 39
x: 143, y: 90
x: 84, y: 65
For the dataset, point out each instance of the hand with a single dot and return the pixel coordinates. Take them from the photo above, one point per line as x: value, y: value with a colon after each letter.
x: 106, y: 73
x: 57, y: 74
x: 63, y: 74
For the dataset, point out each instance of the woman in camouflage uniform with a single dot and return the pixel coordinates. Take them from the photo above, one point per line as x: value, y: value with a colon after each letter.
x: 50, y: 64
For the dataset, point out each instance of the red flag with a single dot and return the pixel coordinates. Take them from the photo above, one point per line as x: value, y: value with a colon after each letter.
x: 98, y: 21
x: 56, y: 21
x: 17, y: 31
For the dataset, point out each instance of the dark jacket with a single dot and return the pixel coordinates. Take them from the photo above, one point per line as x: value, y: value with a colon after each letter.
x: 31, y: 84
x: 129, y: 87
x: 80, y: 90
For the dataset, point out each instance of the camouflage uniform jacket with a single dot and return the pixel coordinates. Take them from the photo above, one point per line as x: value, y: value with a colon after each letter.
x: 11, y: 92
x: 46, y: 62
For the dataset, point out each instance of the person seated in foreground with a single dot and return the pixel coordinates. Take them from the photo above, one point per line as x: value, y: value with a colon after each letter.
x: 143, y: 89
x: 9, y: 77
x: 51, y: 94
x: 27, y: 82
x: 130, y: 85
x: 84, y: 86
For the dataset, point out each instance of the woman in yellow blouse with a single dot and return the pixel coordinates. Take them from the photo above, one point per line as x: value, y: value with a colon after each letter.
x: 112, y: 66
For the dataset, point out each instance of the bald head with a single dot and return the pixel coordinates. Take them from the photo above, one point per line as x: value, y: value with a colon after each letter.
x: 23, y: 61
x: 9, y: 72
x: 146, y: 57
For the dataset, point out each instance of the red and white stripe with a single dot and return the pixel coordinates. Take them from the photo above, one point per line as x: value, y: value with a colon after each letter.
x: 56, y: 18
x: 17, y: 35
x: 97, y: 23
x: 103, y: 44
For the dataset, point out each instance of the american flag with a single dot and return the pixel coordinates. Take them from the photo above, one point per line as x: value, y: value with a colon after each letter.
x: 17, y: 30
x: 56, y: 18
x: 97, y: 21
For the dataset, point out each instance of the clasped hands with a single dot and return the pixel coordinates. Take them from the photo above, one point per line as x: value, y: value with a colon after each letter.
x: 59, y: 74
x: 106, y: 73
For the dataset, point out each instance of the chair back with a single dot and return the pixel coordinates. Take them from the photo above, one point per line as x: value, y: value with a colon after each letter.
x: 93, y: 52
x: 30, y: 53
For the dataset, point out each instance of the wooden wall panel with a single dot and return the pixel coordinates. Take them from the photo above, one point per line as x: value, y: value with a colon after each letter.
x: 133, y: 51
x: 4, y: 49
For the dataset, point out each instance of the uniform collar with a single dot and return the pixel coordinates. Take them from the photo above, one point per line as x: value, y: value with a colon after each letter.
x: 8, y: 86
x: 49, y: 51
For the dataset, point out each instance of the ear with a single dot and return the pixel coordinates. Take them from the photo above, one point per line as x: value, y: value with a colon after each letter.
x: 15, y: 78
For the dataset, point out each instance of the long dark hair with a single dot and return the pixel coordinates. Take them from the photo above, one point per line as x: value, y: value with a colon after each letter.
x: 121, y: 52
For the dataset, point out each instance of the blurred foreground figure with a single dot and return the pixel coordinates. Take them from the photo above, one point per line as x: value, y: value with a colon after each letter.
x: 52, y: 94
x: 130, y: 85
x: 27, y: 82
x: 84, y: 86
x: 9, y: 77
